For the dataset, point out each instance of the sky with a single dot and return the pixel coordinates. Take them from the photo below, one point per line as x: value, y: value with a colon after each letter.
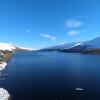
x: 43, y: 23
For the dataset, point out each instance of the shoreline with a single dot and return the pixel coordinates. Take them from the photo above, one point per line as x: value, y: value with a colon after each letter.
x: 5, y: 57
x: 2, y: 65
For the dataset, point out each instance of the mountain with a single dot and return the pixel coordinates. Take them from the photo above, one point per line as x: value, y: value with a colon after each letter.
x: 93, y: 44
x: 12, y: 47
x: 62, y: 46
x: 5, y: 46
x: 23, y: 49
x: 78, y: 48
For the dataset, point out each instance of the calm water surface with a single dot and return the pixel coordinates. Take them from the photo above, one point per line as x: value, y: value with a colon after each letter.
x: 53, y: 76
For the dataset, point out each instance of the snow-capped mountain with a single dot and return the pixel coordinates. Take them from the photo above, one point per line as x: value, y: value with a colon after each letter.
x: 77, y: 46
x: 63, y: 46
x: 5, y: 46
x: 93, y: 44
x: 12, y: 47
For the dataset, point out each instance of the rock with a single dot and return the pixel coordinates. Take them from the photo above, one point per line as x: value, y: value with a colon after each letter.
x: 79, y: 89
x: 4, y: 95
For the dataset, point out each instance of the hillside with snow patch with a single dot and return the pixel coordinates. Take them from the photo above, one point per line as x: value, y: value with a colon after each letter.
x: 91, y: 44
x: 5, y: 46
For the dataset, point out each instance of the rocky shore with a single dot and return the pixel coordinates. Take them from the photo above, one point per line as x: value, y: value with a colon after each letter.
x: 4, y: 58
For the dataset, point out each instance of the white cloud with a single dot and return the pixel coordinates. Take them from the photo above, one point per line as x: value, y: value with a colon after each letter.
x: 63, y: 43
x: 28, y: 30
x: 73, y: 23
x: 73, y: 32
x: 48, y: 36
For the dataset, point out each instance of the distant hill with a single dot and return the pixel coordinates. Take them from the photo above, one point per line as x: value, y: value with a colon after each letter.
x: 12, y: 47
x: 91, y: 46
x: 62, y: 46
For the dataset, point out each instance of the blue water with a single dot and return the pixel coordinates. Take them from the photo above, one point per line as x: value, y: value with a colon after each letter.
x: 53, y: 76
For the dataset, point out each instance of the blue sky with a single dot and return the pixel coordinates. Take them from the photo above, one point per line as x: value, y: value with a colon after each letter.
x: 44, y: 23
